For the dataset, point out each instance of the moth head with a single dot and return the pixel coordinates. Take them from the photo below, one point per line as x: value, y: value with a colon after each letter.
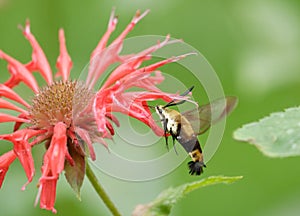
x: 159, y: 109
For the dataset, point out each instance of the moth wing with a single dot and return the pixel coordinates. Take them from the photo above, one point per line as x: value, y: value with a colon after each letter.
x: 204, y: 116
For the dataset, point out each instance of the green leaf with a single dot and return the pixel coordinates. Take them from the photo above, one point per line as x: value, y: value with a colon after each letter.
x: 162, y: 205
x: 277, y: 135
x: 75, y: 174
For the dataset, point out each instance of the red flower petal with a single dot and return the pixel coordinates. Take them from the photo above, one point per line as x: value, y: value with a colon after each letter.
x: 138, y: 16
x: 18, y: 124
x: 10, y: 94
x: 7, y: 105
x: 64, y: 63
x: 132, y: 63
x: 48, y: 193
x: 22, y: 149
x: 54, y: 158
x: 84, y: 135
x: 102, y: 58
x: 53, y: 165
x: 5, y: 161
x: 8, y: 118
x: 39, y: 61
x: 111, y: 27
x: 18, y: 73
x: 113, y: 119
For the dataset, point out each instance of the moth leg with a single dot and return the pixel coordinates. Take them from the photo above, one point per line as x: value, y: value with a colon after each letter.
x: 165, y: 123
x: 173, y: 137
x: 176, y: 136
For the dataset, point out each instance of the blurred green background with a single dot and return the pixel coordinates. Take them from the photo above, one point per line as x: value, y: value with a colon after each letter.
x: 254, y: 47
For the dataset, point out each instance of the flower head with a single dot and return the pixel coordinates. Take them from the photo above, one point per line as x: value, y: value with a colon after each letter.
x: 68, y: 115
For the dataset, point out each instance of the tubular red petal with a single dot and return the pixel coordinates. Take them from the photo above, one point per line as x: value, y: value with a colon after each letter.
x: 40, y: 138
x: 143, y: 116
x: 105, y: 57
x: 7, y: 105
x: 139, y: 97
x: 100, y: 119
x: 113, y: 119
x: 25, y: 134
x: 132, y: 63
x: 110, y: 128
x: 53, y: 165
x: 5, y: 161
x: 150, y: 96
x: 18, y: 73
x: 10, y: 94
x: 142, y: 80
x: 138, y: 16
x: 39, y: 61
x: 141, y: 77
x: 101, y: 62
x: 48, y: 193
x: 122, y: 70
x: 100, y: 49
x: 72, y: 136
x: 18, y: 124
x: 58, y: 149
x: 84, y: 135
x: 110, y: 28
x: 101, y: 141
x: 153, y: 67
x: 8, y: 118
x: 69, y: 158
x: 64, y: 62
x: 22, y: 149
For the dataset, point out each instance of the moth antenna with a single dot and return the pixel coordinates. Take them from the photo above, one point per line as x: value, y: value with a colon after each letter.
x: 172, y: 103
x: 187, y: 91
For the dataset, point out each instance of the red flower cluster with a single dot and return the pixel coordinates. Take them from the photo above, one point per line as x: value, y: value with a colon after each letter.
x: 66, y: 114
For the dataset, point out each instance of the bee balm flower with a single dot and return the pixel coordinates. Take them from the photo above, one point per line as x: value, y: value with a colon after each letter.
x: 68, y: 115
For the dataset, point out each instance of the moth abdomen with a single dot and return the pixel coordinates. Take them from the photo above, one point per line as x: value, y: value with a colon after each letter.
x: 196, y: 167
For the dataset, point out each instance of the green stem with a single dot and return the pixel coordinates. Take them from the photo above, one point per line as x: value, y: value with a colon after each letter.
x: 100, y: 191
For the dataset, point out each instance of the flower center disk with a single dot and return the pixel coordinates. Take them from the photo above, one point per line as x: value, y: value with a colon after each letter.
x: 58, y: 102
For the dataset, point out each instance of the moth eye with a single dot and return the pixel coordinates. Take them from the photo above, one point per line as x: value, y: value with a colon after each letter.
x: 158, y: 109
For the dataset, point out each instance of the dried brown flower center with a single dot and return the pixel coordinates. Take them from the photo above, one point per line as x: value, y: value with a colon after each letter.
x: 58, y: 102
